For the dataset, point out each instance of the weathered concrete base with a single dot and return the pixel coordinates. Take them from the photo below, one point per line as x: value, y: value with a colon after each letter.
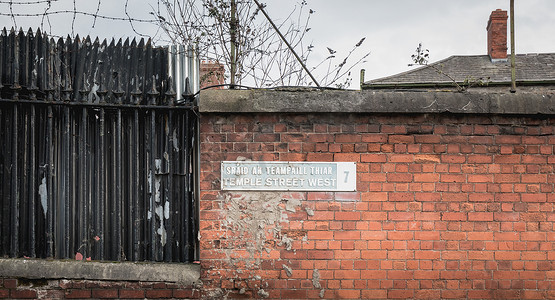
x: 324, y: 101
x: 186, y: 274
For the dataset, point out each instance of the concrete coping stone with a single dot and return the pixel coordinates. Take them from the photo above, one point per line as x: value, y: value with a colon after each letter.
x: 181, y: 273
x: 370, y: 101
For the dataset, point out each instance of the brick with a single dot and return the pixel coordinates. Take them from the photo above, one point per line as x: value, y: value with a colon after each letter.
x: 319, y: 254
x: 401, y: 139
x: 534, y: 197
x: 348, y: 157
x: 10, y: 283
x: 374, y: 216
x: 480, y: 255
x: 479, y: 159
x: 132, y: 294
x: 507, y: 255
x: 426, y: 235
x: 428, y: 274
x: 454, y: 216
x: 374, y: 294
x: 452, y: 178
x: 399, y: 177
x: 347, y: 274
x: 347, y: 235
x: 373, y: 235
x: 400, y: 294
x: 427, y: 177
x: 427, y: 294
x: 453, y: 294
x: 508, y: 139
x: 400, y: 235
x: 77, y: 294
x: 506, y: 236
x: 266, y: 137
x: 533, y: 236
x: 348, y: 294
x: 373, y: 158
x: 345, y: 216
x: 480, y: 197
x: 400, y: 254
x: 347, y: 196
x: 401, y: 216
x: 400, y: 274
x: 534, y: 159
x: 534, y: 255
x: 158, y: 294
x: 293, y: 294
x: 477, y: 178
x: 453, y: 255
x: 105, y: 293
x: 453, y: 159
x: 23, y: 294
x: 506, y: 216
x: 374, y: 138
x: 347, y: 254
x: 480, y: 216
x: 452, y: 275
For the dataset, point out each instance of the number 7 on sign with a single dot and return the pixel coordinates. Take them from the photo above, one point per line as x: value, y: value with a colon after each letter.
x: 349, y: 183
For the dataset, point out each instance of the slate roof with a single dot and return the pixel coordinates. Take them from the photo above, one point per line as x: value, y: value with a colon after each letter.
x: 530, y: 69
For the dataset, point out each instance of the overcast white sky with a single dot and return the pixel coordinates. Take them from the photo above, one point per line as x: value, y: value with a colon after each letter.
x: 392, y: 28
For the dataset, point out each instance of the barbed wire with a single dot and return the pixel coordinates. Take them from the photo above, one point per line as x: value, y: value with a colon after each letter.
x: 96, y: 13
x: 265, y: 58
x: 27, y: 2
x: 77, y: 13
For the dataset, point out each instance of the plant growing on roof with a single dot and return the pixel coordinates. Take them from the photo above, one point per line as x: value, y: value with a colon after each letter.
x: 421, y: 58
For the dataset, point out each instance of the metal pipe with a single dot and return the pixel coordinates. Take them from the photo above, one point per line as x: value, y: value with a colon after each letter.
x: 67, y: 158
x: 233, y: 42
x: 32, y: 185
x: 513, y: 64
x: 102, y: 186
x: 82, y: 203
x: 152, y: 176
x: 49, y: 185
x: 187, y: 201
x: 15, y: 185
x: 118, y: 188
x: 136, y: 211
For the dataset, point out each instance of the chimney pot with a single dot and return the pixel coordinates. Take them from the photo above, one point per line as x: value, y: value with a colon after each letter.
x: 497, y: 35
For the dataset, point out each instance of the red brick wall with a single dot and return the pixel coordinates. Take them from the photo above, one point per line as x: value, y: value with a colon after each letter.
x: 446, y: 207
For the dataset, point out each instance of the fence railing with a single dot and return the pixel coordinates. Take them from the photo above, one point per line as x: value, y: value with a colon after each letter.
x: 98, y: 150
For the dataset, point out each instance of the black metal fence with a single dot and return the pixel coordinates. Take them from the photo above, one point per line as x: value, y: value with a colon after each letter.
x: 97, y: 158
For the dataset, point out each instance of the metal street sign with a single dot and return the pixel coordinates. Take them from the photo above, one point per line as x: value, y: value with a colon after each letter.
x: 288, y: 176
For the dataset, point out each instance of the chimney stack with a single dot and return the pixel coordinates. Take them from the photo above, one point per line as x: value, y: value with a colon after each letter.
x: 497, y: 35
x: 211, y: 73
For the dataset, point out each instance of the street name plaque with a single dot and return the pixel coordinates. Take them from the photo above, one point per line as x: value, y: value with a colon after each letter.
x: 288, y: 176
